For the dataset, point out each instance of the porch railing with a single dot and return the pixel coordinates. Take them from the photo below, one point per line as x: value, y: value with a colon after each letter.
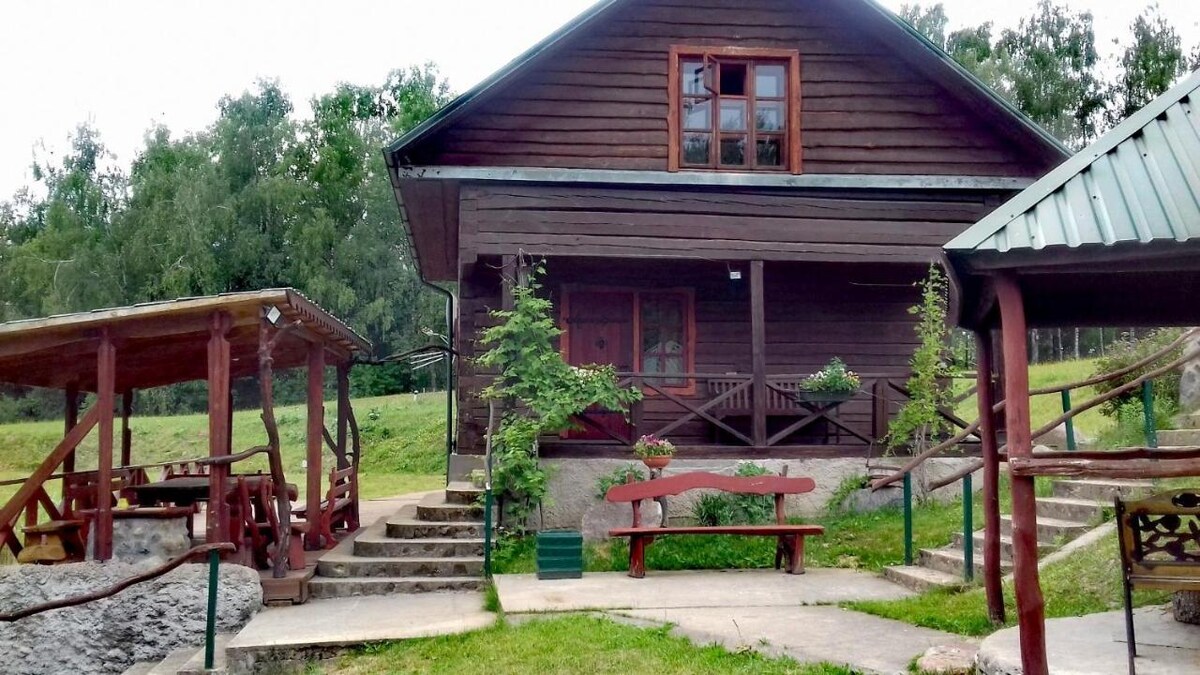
x: 720, y: 400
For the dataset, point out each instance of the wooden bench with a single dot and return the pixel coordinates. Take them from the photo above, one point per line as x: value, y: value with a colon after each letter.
x: 338, y: 509
x: 790, y: 538
x: 1159, y: 548
x: 741, y: 402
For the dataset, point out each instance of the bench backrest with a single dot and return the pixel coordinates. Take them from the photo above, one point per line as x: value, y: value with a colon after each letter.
x: 779, y: 486
x: 341, y: 483
x: 1160, y: 540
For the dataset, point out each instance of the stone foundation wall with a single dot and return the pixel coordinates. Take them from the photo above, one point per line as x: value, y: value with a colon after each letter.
x: 573, y: 483
x: 142, y: 623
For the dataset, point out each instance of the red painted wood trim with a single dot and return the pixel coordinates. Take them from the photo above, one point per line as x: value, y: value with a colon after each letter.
x: 70, y: 419
x: 992, y: 574
x: 753, y: 530
x: 674, y: 111
x: 106, y: 378
x: 315, y: 442
x: 11, y: 509
x: 1030, y: 603
x: 674, y: 485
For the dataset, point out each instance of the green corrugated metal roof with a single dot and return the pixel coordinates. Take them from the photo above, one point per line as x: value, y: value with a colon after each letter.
x: 1139, y: 183
x: 463, y: 103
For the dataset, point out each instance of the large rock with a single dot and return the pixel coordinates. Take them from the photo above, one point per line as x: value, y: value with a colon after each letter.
x: 605, y: 516
x: 1057, y: 438
x: 1186, y: 607
x: 866, y: 500
x: 142, y: 623
x: 1189, y: 379
x: 956, y: 659
x: 148, y: 540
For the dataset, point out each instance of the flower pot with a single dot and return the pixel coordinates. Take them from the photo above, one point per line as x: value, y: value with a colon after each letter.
x: 824, y: 397
x: 657, y: 462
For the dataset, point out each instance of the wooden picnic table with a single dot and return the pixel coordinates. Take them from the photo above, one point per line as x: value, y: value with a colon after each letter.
x: 188, y: 490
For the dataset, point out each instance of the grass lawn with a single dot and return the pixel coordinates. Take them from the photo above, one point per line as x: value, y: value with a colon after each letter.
x: 572, y: 644
x: 403, y: 443
x: 1085, y: 583
x: 1048, y: 407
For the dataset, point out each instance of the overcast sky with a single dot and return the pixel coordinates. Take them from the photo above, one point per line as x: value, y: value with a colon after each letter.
x: 124, y: 66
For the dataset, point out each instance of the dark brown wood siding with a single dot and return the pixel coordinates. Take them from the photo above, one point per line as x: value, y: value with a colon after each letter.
x: 600, y: 100
x: 814, y: 312
x: 723, y: 224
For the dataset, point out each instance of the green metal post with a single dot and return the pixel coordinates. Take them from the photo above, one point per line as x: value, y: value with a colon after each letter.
x: 908, y: 525
x: 1148, y: 414
x: 210, y: 627
x: 968, y: 529
x: 1066, y: 402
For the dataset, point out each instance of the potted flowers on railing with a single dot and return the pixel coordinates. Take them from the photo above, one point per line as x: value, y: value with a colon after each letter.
x: 832, y: 384
x: 654, y: 452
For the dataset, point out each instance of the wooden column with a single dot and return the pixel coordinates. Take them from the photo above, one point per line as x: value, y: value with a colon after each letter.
x: 758, y: 354
x: 70, y: 419
x: 1030, y: 605
x: 316, y: 440
x: 219, y: 431
x: 126, y: 433
x: 508, y: 279
x: 106, y: 379
x: 991, y: 478
x: 343, y: 414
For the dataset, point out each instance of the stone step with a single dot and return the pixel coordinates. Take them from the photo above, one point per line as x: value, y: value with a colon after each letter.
x: 142, y: 668
x: 921, y: 579
x: 400, y: 527
x: 460, y: 492
x: 1069, y: 508
x: 461, y: 466
x: 1050, y: 530
x: 195, y: 665
x: 443, y: 512
x: 950, y: 561
x: 1179, y: 437
x: 322, y: 587
x: 1100, y: 490
x: 370, y: 545
x: 335, y: 565
x: 173, y: 662
x: 1006, y: 545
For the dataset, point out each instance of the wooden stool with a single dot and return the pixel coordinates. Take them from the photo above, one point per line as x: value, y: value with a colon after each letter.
x: 58, y: 541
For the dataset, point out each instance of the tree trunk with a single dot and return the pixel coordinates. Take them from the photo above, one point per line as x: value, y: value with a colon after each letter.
x: 1076, y: 343
x: 1187, y: 606
x: 1033, y: 347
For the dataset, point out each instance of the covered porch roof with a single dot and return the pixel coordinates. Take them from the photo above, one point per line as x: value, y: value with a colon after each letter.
x: 162, y: 343
x: 1111, y: 237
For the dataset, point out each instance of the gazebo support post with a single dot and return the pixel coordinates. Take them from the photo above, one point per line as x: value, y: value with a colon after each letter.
x: 758, y: 356
x: 343, y: 414
x: 1030, y: 604
x: 126, y: 433
x: 316, y: 438
x: 991, y: 478
x: 70, y: 419
x: 106, y: 378
x: 219, y: 431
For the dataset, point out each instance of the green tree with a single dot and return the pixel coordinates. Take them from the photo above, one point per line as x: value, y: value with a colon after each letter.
x: 1150, y: 65
x: 929, y: 20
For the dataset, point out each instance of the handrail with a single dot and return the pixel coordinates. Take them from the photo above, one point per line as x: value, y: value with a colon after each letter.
x: 206, y: 461
x: 117, y: 587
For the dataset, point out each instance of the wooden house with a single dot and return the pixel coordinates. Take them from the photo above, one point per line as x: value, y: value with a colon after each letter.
x: 726, y: 195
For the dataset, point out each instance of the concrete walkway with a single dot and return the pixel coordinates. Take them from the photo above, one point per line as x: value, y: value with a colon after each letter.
x: 776, y: 614
x: 1095, y: 645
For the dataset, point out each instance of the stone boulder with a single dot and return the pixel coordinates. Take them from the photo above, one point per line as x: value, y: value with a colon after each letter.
x: 1186, y: 607
x: 141, y: 623
x: 604, y: 516
x: 956, y: 659
x: 1057, y: 438
x: 865, y: 500
x: 1189, y: 379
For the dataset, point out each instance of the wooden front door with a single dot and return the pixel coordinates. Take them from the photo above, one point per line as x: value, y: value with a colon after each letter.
x: 600, y: 331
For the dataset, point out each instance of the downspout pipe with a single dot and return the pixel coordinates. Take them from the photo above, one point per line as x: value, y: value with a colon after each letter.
x: 451, y: 383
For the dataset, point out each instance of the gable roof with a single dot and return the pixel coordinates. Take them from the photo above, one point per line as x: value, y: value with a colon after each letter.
x: 1137, y: 184
x: 935, y: 59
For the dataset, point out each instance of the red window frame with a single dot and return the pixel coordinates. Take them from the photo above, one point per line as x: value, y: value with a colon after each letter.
x: 790, y: 147
x: 689, y: 327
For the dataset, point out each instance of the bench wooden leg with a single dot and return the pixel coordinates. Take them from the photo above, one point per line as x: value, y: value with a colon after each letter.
x: 637, y: 557
x: 796, y: 561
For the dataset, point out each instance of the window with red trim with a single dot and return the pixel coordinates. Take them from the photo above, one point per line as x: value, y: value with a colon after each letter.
x: 735, y: 110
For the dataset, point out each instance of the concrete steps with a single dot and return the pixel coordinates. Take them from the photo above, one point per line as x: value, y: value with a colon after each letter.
x: 1076, y: 507
x: 1179, y: 437
x: 435, y: 545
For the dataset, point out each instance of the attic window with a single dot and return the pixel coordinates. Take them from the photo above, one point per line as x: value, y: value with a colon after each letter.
x: 734, y: 109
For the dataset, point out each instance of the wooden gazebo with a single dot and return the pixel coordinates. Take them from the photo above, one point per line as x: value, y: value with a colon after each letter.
x: 113, y: 352
x: 1111, y: 237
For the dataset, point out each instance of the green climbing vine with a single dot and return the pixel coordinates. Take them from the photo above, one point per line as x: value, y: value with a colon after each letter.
x: 919, y: 420
x: 540, y: 394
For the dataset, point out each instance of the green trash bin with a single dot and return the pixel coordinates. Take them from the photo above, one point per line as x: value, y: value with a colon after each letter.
x: 560, y: 554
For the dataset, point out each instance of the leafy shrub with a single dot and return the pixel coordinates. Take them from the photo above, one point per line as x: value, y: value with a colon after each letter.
x: 617, y: 477
x: 1129, y: 350
x: 1130, y: 428
x: 848, y: 486
x: 736, y: 509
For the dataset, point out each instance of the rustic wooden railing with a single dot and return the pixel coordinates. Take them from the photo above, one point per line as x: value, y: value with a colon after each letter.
x: 721, y: 396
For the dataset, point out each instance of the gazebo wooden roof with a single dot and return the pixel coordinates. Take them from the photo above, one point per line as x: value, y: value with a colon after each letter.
x: 164, y: 343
